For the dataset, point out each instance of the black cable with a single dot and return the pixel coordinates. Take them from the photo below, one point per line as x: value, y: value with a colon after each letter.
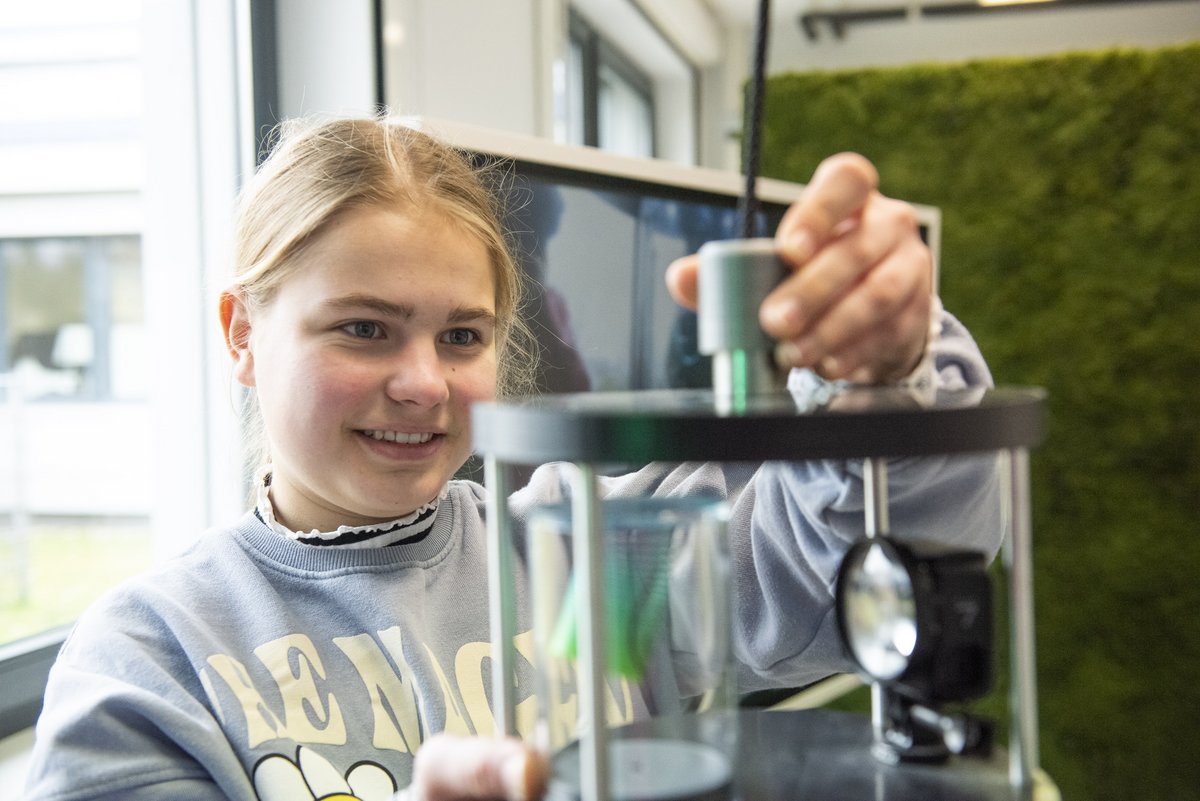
x: 748, y: 204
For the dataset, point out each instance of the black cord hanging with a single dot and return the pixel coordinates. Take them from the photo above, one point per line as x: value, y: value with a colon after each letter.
x: 748, y: 204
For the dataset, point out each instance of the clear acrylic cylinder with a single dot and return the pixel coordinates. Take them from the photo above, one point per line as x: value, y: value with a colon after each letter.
x: 667, y: 684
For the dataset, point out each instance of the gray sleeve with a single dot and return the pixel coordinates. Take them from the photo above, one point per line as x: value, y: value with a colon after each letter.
x: 792, y: 522
x: 118, y: 723
x: 800, y: 519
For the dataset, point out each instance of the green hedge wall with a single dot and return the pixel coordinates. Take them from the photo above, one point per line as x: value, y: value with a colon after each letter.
x: 1070, y: 193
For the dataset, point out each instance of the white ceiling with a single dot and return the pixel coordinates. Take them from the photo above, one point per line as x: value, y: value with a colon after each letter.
x: 704, y: 30
x: 745, y: 11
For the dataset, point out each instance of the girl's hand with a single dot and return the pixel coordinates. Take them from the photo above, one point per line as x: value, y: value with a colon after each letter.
x: 454, y: 768
x: 858, y: 301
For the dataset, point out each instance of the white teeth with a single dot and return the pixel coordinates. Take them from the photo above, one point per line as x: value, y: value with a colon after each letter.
x: 400, y: 436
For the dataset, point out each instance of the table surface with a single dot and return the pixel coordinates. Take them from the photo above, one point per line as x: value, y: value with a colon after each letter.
x: 795, y: 755
x: 821, y: 754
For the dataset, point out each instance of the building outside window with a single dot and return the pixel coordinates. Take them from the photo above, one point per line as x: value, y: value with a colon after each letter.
x: 75, y: 447
x: 121, y: 152
x: 71, y: 325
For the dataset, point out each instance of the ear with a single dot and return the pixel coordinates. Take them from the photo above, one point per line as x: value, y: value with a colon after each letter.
x: 235, y: 324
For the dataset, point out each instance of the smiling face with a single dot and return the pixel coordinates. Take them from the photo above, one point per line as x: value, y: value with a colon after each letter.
x: 366, y: 362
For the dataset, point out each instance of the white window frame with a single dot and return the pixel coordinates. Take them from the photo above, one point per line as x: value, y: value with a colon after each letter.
x: 674, y: 81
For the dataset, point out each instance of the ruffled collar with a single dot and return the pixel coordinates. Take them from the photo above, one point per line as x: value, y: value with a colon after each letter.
x: 410, y: 528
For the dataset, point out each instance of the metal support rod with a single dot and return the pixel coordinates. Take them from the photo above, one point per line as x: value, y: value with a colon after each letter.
x: 875, y: 496
x: 502, y: 606
x: 588, y: 553
x: 1023, y: 745
x: 876, y: 524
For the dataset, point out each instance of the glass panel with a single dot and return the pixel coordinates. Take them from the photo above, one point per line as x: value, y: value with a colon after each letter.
x: 128, y: 356
x: 574, y: 99
x: 74, y: 464
x: 50, y: 345
x: 74, y: 483
x: 74, y: 317
x: 52, y: 569
x: 626, y: 116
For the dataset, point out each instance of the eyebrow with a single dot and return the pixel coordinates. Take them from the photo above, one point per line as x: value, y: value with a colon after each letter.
x: 405, y: 311
x: 472, y: 313
x: 360, y: 301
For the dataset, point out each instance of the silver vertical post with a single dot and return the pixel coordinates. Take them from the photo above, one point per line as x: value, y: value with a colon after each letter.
x: 875, y: 496
x: 1023, y: 746
x: 588, y: 553
x: 502, y: 606
x: 876, y: 524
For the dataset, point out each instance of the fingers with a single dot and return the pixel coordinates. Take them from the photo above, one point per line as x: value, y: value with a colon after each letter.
x: 839, y: 189
x: 681, y: 278
x: 861, y: 244
x: 858, y: 300
x: 453, y: 768
x: 878, y: 329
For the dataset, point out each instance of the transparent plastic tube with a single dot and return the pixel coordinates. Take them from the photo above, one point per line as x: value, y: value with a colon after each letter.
x: 670, y: 705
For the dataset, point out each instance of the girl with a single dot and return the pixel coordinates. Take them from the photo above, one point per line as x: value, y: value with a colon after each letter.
x: 308, y: 649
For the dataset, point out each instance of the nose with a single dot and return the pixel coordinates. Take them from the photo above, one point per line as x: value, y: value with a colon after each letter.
x: 417, y: 376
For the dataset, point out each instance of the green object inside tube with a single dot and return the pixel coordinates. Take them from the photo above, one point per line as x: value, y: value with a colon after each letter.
x: 740, y: 382
x: 636, y: 591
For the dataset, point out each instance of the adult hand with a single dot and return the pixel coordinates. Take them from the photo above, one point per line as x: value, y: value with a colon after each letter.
x: 858, y: 300
x: 454, y: 768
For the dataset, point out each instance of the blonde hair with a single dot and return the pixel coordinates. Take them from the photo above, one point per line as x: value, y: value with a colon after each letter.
x: 317, y: 169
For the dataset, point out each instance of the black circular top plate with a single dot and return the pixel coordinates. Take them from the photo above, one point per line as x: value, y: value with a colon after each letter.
x: 677, y: 426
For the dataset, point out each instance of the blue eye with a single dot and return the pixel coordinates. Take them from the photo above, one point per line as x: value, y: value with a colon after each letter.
x: 363, y: 329
x: 461, y: 337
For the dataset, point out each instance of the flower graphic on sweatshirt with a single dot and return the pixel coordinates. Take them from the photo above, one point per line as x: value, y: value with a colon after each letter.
x: 311, y: 776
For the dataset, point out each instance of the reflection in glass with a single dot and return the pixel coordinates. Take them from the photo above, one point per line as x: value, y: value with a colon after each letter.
x: 881, y: 613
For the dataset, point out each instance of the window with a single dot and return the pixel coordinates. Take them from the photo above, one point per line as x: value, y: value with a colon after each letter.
x: 71, y: 321
x: 626, y: 84
x: 75, y: 445
x: 112, y: 432
x: 626, y: 113
x: 610, y: 102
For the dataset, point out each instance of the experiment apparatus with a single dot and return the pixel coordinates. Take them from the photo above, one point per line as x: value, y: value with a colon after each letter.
x: 615, y: 585
x: 805, y: 753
